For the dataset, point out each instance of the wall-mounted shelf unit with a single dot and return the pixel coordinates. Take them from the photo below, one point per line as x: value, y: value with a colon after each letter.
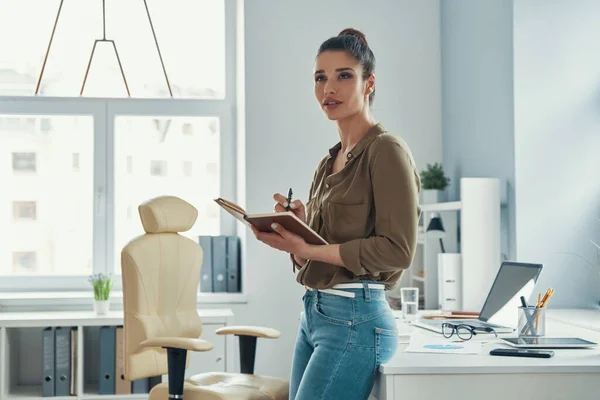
x: 21, y: 352
x: 472, y: 228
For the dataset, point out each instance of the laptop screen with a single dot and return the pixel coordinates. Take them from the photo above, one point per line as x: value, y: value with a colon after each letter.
x: 512, y: 281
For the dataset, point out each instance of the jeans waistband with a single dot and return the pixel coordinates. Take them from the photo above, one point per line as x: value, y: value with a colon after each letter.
x: 338, y: 289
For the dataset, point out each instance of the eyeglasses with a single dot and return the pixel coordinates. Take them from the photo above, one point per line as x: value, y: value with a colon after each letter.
x: 463, y: 331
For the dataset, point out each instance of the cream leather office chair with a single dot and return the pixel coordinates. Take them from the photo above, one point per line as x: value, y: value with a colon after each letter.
x: 161, y: 273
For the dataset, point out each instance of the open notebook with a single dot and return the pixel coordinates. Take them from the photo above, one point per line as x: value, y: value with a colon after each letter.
x: 263, y: 222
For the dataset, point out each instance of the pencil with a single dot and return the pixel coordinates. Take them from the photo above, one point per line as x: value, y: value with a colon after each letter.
x: 539, y: 303
x: 545, y: 302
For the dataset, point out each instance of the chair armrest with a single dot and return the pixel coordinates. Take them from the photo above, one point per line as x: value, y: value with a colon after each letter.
x: 179, y: 343
x: 243, y: 330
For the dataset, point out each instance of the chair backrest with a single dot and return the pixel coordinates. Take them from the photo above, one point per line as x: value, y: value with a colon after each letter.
x: 160, y: 274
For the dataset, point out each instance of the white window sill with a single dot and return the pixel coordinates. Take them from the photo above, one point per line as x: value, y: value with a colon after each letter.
x: 33, y: 300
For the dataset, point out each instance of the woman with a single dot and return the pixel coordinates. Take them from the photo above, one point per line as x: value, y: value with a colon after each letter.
x: 364, y: 201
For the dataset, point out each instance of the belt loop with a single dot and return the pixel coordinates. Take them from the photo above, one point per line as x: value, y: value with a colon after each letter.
x: 367, y: 291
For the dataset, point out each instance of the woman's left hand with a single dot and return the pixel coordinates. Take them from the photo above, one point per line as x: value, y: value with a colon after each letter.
x: 283, y: 240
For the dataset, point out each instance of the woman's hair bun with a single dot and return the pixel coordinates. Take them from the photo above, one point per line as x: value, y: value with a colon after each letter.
x: 356, y: 33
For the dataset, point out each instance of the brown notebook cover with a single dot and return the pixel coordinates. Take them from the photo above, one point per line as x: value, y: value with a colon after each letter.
x: 263, y: 222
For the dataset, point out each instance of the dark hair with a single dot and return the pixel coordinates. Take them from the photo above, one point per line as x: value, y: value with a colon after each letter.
x: 354, y: 43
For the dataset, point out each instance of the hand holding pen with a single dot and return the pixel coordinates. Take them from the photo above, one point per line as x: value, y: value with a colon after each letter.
x: 283, y: 203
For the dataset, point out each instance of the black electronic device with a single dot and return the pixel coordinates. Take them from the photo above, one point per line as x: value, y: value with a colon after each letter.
x: 522, y: 353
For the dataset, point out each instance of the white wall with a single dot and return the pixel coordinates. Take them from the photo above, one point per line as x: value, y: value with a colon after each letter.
x: 286, y: 134
x: 477, y: 100
x: 557, y: 143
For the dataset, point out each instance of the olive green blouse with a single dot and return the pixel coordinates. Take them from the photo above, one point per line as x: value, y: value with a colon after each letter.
x: 370, y: 207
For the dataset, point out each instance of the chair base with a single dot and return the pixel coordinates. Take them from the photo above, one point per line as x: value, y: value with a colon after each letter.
x: 176, y: 361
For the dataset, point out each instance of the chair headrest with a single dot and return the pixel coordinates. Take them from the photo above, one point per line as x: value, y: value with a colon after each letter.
x: 164, y: 214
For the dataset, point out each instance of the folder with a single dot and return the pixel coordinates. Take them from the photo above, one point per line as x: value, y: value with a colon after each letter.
x: 233, y: 264
x: 48, y: 362
x: 107, y: 360
x: 74, y: 341
x: 219, y: 264
x: 140, y: 386
x: 263, y: 222
x: 62, y: 361
x: 153, y: 381
x: 206, y: 275
x: 122, y: 386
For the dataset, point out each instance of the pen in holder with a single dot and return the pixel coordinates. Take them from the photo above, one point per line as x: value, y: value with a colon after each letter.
x: 532, y: 322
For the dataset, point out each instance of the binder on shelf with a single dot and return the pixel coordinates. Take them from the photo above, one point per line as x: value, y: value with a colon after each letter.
x: 233, y: 264
x: 140, y: 386
x: 62, y: 361
x: 107, y: 360
x: 122, y: 386
x: 206, y: 274
x: 48, y: 362
x: 74, y: 363
x: 153, y: 381
x: 219, y: 265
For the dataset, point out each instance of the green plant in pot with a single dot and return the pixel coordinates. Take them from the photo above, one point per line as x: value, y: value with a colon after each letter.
x: 102, y: 285
x: 433, y: 181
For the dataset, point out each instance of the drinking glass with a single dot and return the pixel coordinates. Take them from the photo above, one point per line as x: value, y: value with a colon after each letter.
x: 409, y: 298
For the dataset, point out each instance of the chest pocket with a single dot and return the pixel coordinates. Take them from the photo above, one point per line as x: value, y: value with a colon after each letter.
x: 312, y: 213
x: 347, y: 221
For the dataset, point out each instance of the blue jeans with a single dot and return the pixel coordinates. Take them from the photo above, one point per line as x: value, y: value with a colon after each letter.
x: 341, y: 343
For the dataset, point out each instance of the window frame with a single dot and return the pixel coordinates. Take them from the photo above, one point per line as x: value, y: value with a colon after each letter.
x: 104, y: 111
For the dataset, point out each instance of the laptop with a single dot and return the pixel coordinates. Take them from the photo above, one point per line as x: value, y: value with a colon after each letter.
x: 500, y: 309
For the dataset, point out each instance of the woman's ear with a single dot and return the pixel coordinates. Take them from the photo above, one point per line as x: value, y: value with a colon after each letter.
x: 370, y: 84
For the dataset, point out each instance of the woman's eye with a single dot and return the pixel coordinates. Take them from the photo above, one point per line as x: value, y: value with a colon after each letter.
x: 319, y: 78
x: 345, y: 76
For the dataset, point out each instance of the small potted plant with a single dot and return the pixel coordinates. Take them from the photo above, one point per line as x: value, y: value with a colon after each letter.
x: 433, y: 181
x: 102, y: 285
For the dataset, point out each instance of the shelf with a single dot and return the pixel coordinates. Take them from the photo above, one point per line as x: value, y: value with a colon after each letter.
x: 90, y: 392
x: 89, y: 318
x: 91, y: 396
x: 418, y: 278
x: 447, y: 206
x: 32, y: 392
x: 84, y: 299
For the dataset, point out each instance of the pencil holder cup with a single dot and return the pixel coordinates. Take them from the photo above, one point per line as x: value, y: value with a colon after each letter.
x: 532, y: 322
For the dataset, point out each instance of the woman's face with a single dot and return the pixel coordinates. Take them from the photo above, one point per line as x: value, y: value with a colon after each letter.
x: 339, y: 87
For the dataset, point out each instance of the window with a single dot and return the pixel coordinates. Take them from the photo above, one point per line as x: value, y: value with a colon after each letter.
x: 59, y: 202
x: 187, y: 129
x: 75, y: 162
x: 124, y: 151
x: 191, y: 37
x: 158, y: 168
x: 24, y: 261
x: 24, y: 210
x: 187, y: 168
x: 130, y: 165
x: 23, y: 162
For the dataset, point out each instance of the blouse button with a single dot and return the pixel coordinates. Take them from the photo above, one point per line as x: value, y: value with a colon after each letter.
x: 327, y: 185
x: 349, y: 155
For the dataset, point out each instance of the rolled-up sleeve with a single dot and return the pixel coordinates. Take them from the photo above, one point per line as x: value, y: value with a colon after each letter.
x: 396, y: 186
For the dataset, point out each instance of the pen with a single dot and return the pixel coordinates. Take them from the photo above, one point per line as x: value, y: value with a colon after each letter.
x: 529, y: 318
x: 523, y: 302
x: 289, y: 200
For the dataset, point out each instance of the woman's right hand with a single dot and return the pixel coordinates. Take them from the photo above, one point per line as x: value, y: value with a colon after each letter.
x: 296, y: 206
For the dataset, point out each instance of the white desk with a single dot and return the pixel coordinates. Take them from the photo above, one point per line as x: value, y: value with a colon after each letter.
x: 570, y: 374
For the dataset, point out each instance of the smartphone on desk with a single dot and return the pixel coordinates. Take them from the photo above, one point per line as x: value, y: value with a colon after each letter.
x: 522, y: 353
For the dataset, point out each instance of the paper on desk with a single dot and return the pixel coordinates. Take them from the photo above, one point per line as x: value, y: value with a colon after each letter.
x: 442, y: 346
